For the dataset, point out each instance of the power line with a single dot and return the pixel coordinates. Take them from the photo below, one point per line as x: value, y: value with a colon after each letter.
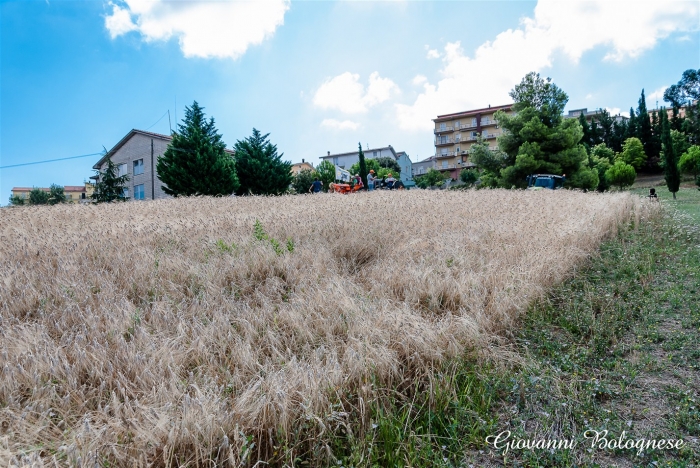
x: 161, y: 118
x: 51, y: 160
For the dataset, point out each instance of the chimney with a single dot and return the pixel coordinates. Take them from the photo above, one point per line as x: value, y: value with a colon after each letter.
x: 302, y: 160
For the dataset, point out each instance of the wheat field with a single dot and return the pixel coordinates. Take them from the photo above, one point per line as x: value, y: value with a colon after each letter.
x: 223, y: 331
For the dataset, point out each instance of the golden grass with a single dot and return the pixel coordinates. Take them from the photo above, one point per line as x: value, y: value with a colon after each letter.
x: 136, y: 333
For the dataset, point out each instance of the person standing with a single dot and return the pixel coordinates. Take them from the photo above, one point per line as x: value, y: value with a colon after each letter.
x: 316, y: 186
x: 370, y: 180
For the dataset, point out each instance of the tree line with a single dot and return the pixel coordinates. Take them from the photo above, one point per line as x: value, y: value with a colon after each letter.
x: 606, y: 152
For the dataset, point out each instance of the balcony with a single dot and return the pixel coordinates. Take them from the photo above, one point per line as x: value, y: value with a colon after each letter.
x: 444, y: 130
x: 444, y: 141
x: 488, y: 136
x: 449, y: 154
x: 485, y: 122
x: 468, y: 126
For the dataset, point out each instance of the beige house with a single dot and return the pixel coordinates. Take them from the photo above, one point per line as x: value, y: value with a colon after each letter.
x: 456, y: 133
x: 73, y: 193
x: 302, y: 166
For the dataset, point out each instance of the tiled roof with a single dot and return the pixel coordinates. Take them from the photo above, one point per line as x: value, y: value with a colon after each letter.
x: 471, y: 112
x: 66, y: 188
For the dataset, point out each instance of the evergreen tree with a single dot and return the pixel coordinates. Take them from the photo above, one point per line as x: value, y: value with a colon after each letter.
x: 16, y: 200
x: 195, y: 162
x: 619, y: 135
x: 56, y: 194
x: 586, y: 139
x: 645, y: 135
x: 38, y: 197
x: 605, y: 124
x: 691, y: 123
x: 260, y: 169
x: 109, y: 186
x: 672, y: 173
x: 676, y: 120
x: 595, y: 137
x: 538, y: 140
x: 363, y: 166
x: 632, y: 127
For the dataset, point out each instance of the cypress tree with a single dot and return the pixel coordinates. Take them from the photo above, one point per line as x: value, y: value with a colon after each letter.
x: 645, y: 135
x: 195, y: 162
x: 632, y: 130
x: 260, y: 169
x: 672, y: 173
x: 363, y: 166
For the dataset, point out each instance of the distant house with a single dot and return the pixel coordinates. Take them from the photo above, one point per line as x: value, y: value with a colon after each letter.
x: 73, y: 193
x: 137, y: 155
x: 594, y: 114
x: 302, y: 166
x: 346, y: 160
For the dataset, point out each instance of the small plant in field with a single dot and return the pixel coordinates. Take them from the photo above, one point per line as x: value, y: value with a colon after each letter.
x: 260, y: 234
x: 224, y: 247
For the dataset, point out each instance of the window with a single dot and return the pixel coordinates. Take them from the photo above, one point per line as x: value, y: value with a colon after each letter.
x: 138, y: 167
x: 139, y: 193
x: 335, y: 161
x: 474, y: 122
x: 443, y: 151
x: 125, y: 191
x: 443, y: 126
x: 457, y: 150
x: 121, y: 170
x: 374, y: 154
x: 457, y: 124
x: 443, y: 139
x: 444, y: 164
x: 474, y: 134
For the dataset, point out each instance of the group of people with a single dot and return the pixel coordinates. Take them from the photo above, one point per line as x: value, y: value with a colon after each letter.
x: 388, y: 182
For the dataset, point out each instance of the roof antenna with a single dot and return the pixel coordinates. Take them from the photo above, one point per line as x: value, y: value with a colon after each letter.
x: 367, y: 145
x: 169, y: 124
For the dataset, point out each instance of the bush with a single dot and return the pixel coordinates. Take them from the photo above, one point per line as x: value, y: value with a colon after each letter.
x: 469, y: 176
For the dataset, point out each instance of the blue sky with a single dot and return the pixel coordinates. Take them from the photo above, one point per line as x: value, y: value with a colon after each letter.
x: 317, y: 75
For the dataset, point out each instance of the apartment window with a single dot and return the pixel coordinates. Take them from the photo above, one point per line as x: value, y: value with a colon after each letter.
x: 457, y: 124
x: 443, y: 139
x: 474, y: 122
x: 457, y: 150
x: 444, y: 164
x: 474, y: 134
x: 443, y: 126
x: 138, y: 167
x: 139, y: 192
x: 374, y: 154
x: 121, y: 170
x: 125, y: 191
x: 484, y: 133
x: 443, y: 151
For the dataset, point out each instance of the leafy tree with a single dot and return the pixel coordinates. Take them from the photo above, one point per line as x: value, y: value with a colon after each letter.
x: 489, y: 161
x: 538, y: 140
x: 620, y: 174
x: 686, y: 90
x: 430, y: 179
x: 633, y: 153
x: 371, y: 164
x: 56, y: 194
x: 16, y: 200
x: 109, y: 186
x: 680, y: 141
x: 195, y: 162
x: 389, y: 163
x: 260, y: 169
x: 691, y: 123
x: 303, y: 180
x: 469, y: 176
x: 363, y: 166
x: 38, y: 197
x: 690, y: 162
x: 600, y: 160
x: 326, y: 173
x: 672, y: 173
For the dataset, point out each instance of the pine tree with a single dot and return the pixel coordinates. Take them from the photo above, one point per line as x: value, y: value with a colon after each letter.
x: 363, y: 166
x: 110, y: 186
x: 260, y: 169
x: 672, y: 173
x: 195, y: 162
x: 56, y: 194
x: 586, y: 139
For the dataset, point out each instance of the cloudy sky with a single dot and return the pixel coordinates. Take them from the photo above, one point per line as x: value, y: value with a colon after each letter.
x: 317, y: 75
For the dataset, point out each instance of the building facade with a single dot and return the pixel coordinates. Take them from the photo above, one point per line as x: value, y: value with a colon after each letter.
x: 591, y: 115
x: 302, y: 166
x: 456, y: 133
x: 136, y: 155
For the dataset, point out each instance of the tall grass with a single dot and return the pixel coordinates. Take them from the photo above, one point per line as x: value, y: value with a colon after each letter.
x: 227, y: 331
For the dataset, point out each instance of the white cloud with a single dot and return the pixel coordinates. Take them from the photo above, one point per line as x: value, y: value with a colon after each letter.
x: 654, y: 96
x: 433, y: 54
x: 589, y: 96
x: 340, y: 125
x: 222, y: 29
x: 615, y: 111
x: 346, y: 94
x: 419, y: 80
x: 572, y: 27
